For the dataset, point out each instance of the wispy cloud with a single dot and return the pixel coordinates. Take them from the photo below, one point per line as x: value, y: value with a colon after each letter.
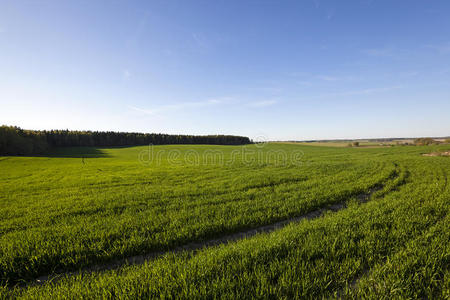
x: 179, y: 106
x: 327, y: 78
x: 334, y: 78
x: 306, y: 78
x: 329, y: 11
x: 263, y: 103
x: 141, y: 110
x: 409, y: 74
x: 316, y: 3
x: 330, y: 14
x: 200, y: 42
x: 379, y: 52
x: 162, y: 109
x: 298, y: 74
x: 442, y: 49
x: 305, y: 83
x: 126, y: 74
x: 135, y: 37
x: 268, y: 89
x: 365, y: 91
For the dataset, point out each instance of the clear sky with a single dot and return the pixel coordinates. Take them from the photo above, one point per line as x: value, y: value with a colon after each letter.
x: 279, y: 69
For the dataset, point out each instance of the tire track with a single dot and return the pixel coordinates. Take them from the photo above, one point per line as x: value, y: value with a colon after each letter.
x: 196, y: 246
x: 367, y: 271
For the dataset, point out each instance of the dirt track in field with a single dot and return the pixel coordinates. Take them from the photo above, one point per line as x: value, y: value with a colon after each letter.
x: 195, y: 246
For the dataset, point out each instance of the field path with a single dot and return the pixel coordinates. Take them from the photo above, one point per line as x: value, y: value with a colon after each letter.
x: 195, y: 246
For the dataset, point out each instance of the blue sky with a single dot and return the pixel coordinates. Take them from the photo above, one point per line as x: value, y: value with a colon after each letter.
x: 279, y: 69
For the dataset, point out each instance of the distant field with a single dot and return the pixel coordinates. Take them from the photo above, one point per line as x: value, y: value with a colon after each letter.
x: 365, y: 143
x: 84, y: 207
x: 340, y: 144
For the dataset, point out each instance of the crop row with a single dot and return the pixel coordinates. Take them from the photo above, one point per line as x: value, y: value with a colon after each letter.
x: 398, y: 243
x: 131, y: 210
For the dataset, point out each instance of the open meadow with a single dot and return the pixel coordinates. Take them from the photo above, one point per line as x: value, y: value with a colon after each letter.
x: 70, y: 220
x: 224, y: 149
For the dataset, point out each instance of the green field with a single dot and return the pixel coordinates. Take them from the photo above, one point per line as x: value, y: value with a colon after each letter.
x: 83, y: 207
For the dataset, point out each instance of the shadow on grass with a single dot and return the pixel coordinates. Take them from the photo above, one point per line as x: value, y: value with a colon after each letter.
x: 74, y: 152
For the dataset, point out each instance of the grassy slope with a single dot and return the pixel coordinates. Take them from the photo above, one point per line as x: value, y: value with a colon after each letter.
x: 210, y: 200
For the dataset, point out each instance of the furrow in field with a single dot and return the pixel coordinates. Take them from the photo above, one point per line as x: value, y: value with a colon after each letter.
x: 44, y: 256
x: 428, y: 255
x: 273, y: 264
x: 194, y: 246
x: 367, y: 272
x: 121, y: 208
x: 369, y: 275
x: 157, y: 201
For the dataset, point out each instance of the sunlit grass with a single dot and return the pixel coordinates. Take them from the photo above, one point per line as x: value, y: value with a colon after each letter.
x: 64, y: 213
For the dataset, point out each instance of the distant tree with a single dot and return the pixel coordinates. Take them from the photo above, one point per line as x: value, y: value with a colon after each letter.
x: 355, y: 144
x: 15, y: 141
x: 424, y: 141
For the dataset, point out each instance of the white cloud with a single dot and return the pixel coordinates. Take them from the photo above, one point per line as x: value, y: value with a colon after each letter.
x: 200, y: 42
x: 327, y: 78
x: 179, y: 106
x: 365, y: 91
x: 267, y: 89
x: 442, y: 49
x: 334, y: 78
x: 409, y: 74
x: 162, y: 109
x: 141, y: 110
x: 126, y: 74
x: 263, y: 103
x: 330, y: 14
x: 380, y: 52
x: 298, y: 74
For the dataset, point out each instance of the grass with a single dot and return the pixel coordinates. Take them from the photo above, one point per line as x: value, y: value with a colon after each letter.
x: 66, y: 212
x: 362, y: 144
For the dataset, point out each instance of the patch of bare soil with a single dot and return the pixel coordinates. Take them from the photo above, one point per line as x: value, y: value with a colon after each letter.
x: 446, y: 153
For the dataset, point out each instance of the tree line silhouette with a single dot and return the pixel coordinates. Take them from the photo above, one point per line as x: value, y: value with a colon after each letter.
x: 17, y: 141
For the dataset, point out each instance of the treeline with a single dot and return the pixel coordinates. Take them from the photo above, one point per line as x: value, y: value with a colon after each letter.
x: 16, y: 141
x: 425, y: 142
